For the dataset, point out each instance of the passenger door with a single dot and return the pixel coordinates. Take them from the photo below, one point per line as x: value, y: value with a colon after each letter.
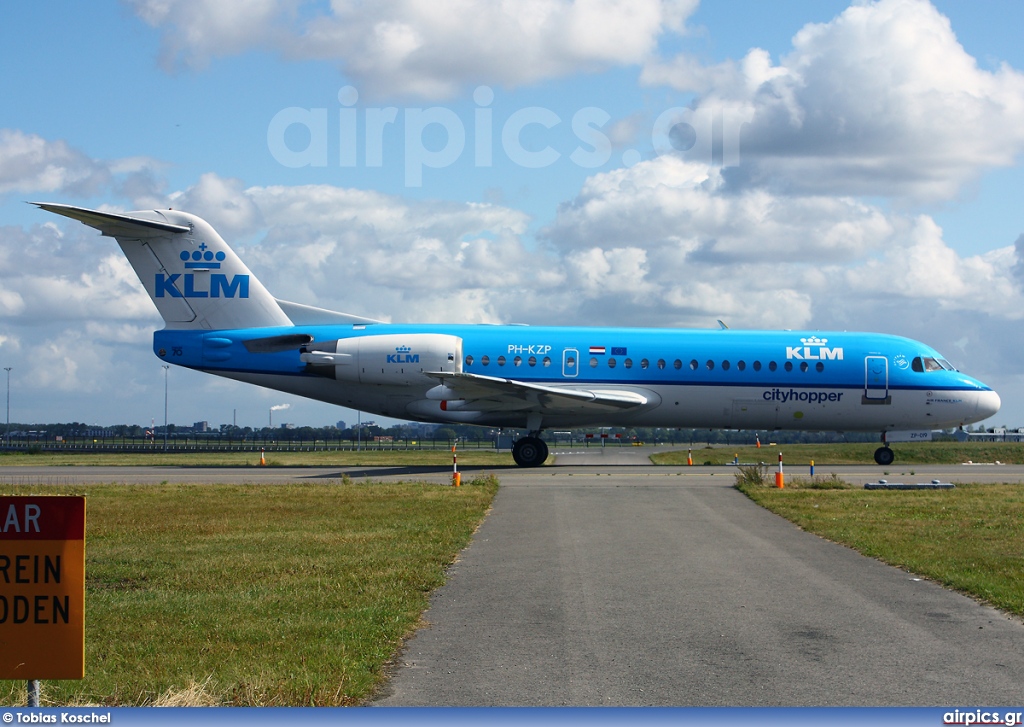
x: 876, y: 380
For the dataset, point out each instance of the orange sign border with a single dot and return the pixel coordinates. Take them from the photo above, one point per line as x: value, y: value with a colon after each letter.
x: 42, y: 635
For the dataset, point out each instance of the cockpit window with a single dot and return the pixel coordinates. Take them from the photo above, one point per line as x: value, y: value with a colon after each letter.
x: 946, y: 365
x: 927, y: 363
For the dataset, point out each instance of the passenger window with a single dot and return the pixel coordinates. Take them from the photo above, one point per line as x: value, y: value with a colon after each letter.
x: 547, y: 361
x: 644, y: 363
x: 469, y: 360
x: 819, y: 367
x: 710, y: 364
x: 661, y: 363
x: 725, y: 366
x: 804, y: 366
x: 789, y: 366
x: 741, y: 365
x: 501, y: 360
x: 757, y: 366
x: 677, y: 364
x: 694, y: 365
x: 628, y: 363
x: 518, y: 360
x: 611, y: 363
x: 532, y: 360
x: 593, y: 363
x: 485, y: 360
x: 772, y: 366
x: 570, y: 362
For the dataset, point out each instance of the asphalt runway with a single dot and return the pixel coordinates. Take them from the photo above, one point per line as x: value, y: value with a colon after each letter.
x: 625, y: 584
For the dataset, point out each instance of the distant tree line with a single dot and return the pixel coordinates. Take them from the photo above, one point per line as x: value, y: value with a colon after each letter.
x: 409, y: 432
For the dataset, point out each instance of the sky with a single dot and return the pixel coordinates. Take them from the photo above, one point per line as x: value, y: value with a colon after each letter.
x: 801, y: 164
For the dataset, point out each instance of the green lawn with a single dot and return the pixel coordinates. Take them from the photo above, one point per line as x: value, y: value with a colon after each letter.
x: 970, y: 539
x: 852, y: 453
x: 256, y: 595
x: 199, y: 458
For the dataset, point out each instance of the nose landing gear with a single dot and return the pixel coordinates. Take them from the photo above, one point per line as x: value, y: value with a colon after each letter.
x: 884, y: 456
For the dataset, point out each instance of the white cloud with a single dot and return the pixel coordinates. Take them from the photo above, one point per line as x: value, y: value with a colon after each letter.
x: 30, y: 163
x: 687, y: 208
x: 371, y: 253
x: 201, y: 29
x: 220, y: 201
x: 701, y: 251
x: 11, y: 303
x: 426, y: 49
x: 920, y: 265
x: 882, y: 100
x: 48, y: 277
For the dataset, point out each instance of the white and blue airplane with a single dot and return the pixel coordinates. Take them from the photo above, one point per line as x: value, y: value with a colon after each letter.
x: 221, y: 320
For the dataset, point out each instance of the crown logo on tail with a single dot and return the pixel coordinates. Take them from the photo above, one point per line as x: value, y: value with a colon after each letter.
x: 202, y: 258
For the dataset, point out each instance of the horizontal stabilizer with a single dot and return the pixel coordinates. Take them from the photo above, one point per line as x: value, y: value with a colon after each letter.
x: 115, y: 225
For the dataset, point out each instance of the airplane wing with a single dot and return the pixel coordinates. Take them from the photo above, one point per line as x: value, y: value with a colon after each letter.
x: 490, y: 393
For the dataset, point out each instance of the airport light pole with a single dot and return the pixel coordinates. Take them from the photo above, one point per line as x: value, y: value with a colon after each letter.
x: 166, y: 369
x: 7, y: 434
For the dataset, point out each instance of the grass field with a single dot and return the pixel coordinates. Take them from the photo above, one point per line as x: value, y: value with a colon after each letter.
x: 822, y: 454
x: 252, y: 459
x: 256, y: 595
x: 854, y: 453
x: 970, y: 539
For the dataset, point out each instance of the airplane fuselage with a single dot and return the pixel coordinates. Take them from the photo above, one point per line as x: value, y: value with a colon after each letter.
x: 681, y: 377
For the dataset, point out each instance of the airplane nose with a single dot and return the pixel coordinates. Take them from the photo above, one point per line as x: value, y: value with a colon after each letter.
x: 988, y: 404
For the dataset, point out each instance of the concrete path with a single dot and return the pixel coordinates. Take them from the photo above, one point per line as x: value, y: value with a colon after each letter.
x: 667, y: 591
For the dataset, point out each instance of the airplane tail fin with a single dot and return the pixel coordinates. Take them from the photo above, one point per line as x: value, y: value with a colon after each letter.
x: 193, y: 277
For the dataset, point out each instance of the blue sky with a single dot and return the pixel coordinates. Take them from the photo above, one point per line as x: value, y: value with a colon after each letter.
x: 877, y: 183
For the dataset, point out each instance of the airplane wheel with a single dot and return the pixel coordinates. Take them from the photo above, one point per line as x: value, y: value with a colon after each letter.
x: 884, y: 456
x: 530, y: 452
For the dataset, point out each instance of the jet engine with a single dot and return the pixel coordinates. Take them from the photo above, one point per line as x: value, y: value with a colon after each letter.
x: 393, y: 359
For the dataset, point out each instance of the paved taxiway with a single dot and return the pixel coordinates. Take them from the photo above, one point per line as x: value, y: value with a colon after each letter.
x: 623, y: 584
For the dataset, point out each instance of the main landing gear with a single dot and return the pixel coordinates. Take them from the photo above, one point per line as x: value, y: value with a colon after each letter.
x: 530, y: 451
x: 884, y: 456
